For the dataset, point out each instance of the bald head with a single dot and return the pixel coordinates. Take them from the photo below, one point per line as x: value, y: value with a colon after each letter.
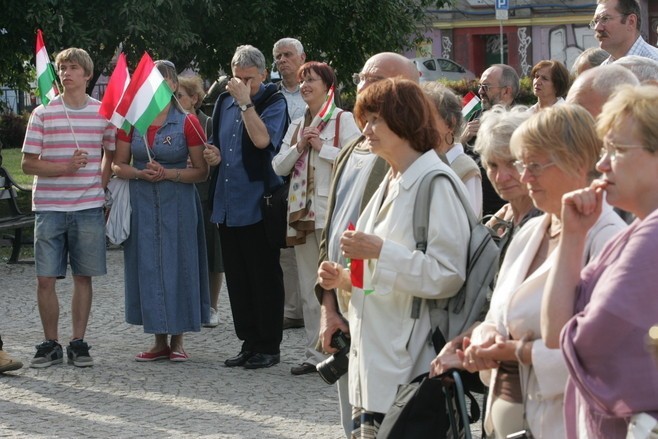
x: 593, y: 87
x: 387, y: 65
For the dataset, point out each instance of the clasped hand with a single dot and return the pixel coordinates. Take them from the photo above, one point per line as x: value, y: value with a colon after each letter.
x: 310, y: 138
x: 153, y: 172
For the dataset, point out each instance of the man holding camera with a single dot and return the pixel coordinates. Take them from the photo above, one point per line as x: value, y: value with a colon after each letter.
x: 357, y: 174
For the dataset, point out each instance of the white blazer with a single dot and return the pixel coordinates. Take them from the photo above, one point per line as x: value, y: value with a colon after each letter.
x: 322, y: 161
x: 515, y: 310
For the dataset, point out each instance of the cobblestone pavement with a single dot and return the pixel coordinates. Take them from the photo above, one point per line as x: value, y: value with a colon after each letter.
x: 120, y: 397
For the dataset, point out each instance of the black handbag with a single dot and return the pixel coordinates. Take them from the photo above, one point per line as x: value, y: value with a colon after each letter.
x: 429, y: 408
x: 274, y: 207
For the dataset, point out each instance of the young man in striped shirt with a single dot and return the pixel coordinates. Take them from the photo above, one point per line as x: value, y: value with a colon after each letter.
x: 63, y: 149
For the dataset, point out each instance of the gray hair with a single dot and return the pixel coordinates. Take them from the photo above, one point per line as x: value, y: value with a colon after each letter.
x: 509, y: 78
x: 248, y: 56
x: 283, y: 42
x: 592, y: 57
x: 447, y: 103
x: 645, y: 69
x: 496, y: 128
x: 605, y: 79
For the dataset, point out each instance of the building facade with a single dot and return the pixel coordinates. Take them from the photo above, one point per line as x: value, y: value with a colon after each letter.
x: 469, y: 33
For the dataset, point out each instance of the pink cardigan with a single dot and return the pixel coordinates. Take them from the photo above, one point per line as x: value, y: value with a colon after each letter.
x: 611, y: 374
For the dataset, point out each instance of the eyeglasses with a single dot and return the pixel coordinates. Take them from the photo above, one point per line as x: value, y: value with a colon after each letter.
x: 612, y: 149
x: 358, y: 78
x: 166, y: 62
x: 535, y: 169
x: 603, y: 20
x: 486, y: 87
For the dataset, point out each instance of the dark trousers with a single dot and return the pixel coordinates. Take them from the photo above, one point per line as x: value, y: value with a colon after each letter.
x: 255, y: 287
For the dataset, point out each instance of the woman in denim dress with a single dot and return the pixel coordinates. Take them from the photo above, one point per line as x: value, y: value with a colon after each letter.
x: 166, y: 272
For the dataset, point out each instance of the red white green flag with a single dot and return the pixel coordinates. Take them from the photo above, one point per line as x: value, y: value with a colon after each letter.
x: 116, y: 87
x: 357, y: 269
x: 46, y: 77
x: 322, y: 118
x: 471, y: 106
x: 146, y: 96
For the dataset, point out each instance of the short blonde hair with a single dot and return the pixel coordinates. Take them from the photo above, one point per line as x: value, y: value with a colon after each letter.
x: 193, y: 86
x: 78, y: 56
x: 639, y: 104
x: 566, y: 133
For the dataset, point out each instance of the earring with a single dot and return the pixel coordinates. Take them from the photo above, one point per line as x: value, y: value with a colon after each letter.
x: 452, y: 138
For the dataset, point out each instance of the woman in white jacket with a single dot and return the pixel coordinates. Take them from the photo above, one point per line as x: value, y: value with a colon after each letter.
x: 389, y: 347
x: 557, y: 151
x: 307, y: 154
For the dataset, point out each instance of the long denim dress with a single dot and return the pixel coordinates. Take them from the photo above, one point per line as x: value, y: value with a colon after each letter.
x: 166, y: 271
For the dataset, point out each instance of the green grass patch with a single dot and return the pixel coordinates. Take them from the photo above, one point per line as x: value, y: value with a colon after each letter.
x: 11, y: 161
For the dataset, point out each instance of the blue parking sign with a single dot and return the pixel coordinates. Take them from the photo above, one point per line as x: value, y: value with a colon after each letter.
x: 502, y: 4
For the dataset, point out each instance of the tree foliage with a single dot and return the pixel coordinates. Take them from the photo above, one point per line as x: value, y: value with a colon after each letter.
x: 205, y: 33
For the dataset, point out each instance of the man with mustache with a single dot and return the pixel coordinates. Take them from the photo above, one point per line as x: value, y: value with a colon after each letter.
x: 616, y: 26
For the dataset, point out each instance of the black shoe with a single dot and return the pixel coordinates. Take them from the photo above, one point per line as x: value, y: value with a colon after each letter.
x: 78, y: 354
x: 303, y: 369
x: 239, y: 359
x: 260, y: 361
x: 292, y: 323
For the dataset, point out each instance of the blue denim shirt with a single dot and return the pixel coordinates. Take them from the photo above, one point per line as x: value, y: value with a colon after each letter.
x: 237, y: 200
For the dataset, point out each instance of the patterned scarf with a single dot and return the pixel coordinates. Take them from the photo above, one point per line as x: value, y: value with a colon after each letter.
x: 301, y: 217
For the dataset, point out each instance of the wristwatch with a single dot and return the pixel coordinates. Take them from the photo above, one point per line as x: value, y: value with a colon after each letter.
x: 243, y: 108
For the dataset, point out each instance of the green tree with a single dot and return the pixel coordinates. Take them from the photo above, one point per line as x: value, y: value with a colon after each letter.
x: 205, y: 33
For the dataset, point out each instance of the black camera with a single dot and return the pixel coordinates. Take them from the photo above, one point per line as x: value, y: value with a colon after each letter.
x: 335, y: 366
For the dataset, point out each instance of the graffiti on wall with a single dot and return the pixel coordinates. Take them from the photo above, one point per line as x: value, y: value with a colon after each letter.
x: 524, y: 46
x: 567, y: 42
x: 446, y: 47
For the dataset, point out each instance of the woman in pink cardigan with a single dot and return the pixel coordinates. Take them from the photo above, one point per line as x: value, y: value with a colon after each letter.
x: 600, y: 316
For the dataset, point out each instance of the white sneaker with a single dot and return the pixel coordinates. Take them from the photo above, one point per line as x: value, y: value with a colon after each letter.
x: 214, y: 319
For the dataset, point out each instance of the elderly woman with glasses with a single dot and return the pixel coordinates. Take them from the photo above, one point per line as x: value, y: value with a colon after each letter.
x: 556, y: 152
x: 550, y: 84
x: 388, y: 346
x: 166, y: 272
x: 600, y: 315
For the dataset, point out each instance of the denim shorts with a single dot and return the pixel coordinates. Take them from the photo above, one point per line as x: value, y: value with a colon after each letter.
x: 74, y: 237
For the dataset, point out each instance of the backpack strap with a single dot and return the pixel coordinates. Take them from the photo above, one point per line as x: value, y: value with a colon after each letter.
x: 337, y: 133
x: 421, y: 216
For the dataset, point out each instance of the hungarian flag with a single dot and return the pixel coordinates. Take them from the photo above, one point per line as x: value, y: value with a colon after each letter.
x: 116, y: 87
x: 46, y: 77
x: 146, y: 96
x: 471, y: 106
x: 356, y: 267
x: 322, y: 118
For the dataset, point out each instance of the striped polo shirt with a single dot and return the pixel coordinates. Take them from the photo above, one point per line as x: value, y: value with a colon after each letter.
x: 52, y: 135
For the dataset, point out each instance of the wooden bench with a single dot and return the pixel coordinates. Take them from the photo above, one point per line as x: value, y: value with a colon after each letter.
x: 12, y: 219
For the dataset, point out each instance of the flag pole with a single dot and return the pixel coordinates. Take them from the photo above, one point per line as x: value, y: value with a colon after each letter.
x: 187, y: 113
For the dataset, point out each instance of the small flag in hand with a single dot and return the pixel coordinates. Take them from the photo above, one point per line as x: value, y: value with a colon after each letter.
x: 46, y: 76
x: 471, y: 106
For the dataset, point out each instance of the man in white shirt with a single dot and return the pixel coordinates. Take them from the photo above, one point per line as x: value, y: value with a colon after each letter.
x: 289, y: 56
x: 616, y: 26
